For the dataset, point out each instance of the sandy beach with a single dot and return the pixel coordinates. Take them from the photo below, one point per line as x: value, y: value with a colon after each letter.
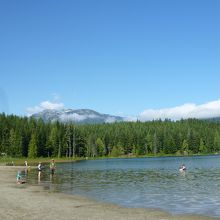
x: 25, y: 201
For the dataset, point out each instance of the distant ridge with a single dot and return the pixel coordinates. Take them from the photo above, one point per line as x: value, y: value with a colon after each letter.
x: 80, y: 116
x: 217, y: 119
x: 86, y: 116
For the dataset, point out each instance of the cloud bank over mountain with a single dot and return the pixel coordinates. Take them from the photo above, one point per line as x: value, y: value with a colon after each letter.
x: 45, y: 105
x: 188, y: 110
x: 52, y: 112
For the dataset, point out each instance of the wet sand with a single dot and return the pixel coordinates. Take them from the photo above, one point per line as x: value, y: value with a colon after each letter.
x: 25, y: 201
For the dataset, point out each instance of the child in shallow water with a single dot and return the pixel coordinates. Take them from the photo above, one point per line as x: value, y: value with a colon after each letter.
x: 19, y: 178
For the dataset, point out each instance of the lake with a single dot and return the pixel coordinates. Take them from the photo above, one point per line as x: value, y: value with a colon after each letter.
x: 143, y: 182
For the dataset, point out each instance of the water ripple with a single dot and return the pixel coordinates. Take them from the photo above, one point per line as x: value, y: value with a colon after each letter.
x: 147, y: 183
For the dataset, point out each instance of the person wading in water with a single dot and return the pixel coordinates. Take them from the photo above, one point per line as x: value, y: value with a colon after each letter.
x: 52, y: 166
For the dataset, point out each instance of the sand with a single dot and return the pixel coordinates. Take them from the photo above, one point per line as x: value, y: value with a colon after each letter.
x: 29, y: 202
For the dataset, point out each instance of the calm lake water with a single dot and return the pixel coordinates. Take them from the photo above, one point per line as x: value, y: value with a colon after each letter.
x: 143, y: 182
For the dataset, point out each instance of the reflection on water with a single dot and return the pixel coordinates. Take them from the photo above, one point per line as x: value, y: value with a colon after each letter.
x: 144, y: 182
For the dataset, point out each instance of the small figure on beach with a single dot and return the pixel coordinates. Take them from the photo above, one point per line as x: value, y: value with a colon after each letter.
x: 52, y: 166
x: 19, y: 179
x: 182, y: 168
x: 25, y: 164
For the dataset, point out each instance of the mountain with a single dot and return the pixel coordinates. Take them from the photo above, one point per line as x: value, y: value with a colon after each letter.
x: 216, y: 119
x: 80, y: 116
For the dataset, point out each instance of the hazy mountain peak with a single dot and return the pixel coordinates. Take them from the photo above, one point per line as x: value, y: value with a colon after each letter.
x: 82, y: 116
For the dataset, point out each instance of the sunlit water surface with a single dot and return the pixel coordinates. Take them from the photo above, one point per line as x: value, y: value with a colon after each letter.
x: 142, y: 182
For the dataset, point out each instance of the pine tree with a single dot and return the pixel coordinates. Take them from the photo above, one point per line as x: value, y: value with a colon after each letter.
x: 217, y: 142
x: 155, y: 143
x: 149, y: 143
x: 202, y: 146
x: 185, y: 147
x: 32, y: 147
x: 100, y: 147
x: 15, y: 143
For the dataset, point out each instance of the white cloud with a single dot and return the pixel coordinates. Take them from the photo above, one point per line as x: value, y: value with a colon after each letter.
x: 43, y: 106
x: 110, y: 119
x: 130, y: 118
x: 188, y: 110
x: 72, y: 117
x: 76, y: 117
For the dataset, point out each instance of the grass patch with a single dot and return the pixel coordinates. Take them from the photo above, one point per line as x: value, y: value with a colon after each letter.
x: 10, y: 161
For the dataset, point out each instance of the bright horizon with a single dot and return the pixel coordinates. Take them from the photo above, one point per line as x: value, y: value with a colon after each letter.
x: 144, y: 59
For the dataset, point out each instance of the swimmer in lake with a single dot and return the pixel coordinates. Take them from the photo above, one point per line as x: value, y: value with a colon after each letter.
x: 182, y: 168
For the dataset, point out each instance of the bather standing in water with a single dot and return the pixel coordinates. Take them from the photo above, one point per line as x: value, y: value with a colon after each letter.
x: 182, y: 168
x: 39, y: 167
x: 52, y: 166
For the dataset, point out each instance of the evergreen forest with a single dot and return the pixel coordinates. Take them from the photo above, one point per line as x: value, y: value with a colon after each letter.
x: 27, y: 137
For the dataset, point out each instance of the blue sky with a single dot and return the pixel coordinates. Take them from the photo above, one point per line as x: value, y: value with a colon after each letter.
x: 121, y: 57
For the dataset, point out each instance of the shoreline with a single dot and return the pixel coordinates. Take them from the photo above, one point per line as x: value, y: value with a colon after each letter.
x: 26, y: 201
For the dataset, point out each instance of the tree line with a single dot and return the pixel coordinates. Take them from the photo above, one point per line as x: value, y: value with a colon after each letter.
x: 27, y: 137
